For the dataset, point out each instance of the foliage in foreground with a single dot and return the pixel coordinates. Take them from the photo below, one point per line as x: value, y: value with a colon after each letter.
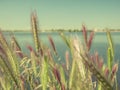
x: 39, y: 70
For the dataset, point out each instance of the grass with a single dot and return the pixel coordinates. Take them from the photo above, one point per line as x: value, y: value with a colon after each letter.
x: 39, y: 71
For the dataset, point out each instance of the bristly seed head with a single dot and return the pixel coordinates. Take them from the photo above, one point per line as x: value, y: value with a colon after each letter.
x: 30, y: 48
x: 90, y: 40
x: 56, y: 74
x: 34, y: 24
x: 52, y: 44
x: 2, y: 50
x: 84, y: 33
x: 100, y: 65
x: 114, y: 70
x: 106, y: 72
x: 96, y: 59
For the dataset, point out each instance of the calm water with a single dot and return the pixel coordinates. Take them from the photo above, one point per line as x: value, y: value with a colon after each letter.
x: 100, y: 43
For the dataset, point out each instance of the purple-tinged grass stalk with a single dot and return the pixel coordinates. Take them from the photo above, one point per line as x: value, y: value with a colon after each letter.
x: 96, y: 59
x: 49, y: 54
x: 67, y: 59
x: 104, y: 79
x: 90, y: 40
x: 51, y: 75
x: 63, y: 78
x: 50, y: 57
x: 100, y: 64
x: 98, y: 73
x: 41, y: 51
x: 57, y: 74
x: 106, y: 72
x: 30, y: 48
x: 94, y: 68
x: 114, y: 71
x: 84, y: 34
x: 52, y: 44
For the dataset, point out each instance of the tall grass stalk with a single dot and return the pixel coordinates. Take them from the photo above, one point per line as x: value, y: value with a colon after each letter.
x: 38, y: 69
x: 34, y: 24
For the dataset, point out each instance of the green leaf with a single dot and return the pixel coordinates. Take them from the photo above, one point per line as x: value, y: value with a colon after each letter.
x: 110, y: 59
x: 72, y: 74
x: 44, y: 74
x: 33, y: 62
x: 62, y: 74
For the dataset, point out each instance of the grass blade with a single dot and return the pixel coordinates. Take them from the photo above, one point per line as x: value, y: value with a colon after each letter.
x: 44, y: 74
x: 110, y: 59
x: 109, y: 37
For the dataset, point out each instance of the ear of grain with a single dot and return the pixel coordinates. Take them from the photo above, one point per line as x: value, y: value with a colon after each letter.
x: 8, y: 71
x: 34, y: 24
x: 90, y: 40
x: 98, y: 73
x: 52, y: 44
x: 84, y: 31
x: 16, y: 47
x: 33, y: 62
x: 11, y: 59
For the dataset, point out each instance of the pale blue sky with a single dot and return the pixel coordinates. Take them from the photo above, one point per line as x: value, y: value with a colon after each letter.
x: 55, y: 14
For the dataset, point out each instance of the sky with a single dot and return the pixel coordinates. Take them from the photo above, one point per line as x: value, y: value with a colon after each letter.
x: 60, y: 14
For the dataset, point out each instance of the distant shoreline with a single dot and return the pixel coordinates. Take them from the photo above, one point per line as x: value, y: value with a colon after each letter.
x: 62, y: 30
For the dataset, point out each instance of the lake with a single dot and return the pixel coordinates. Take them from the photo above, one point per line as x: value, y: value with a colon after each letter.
x: 100, y: 43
